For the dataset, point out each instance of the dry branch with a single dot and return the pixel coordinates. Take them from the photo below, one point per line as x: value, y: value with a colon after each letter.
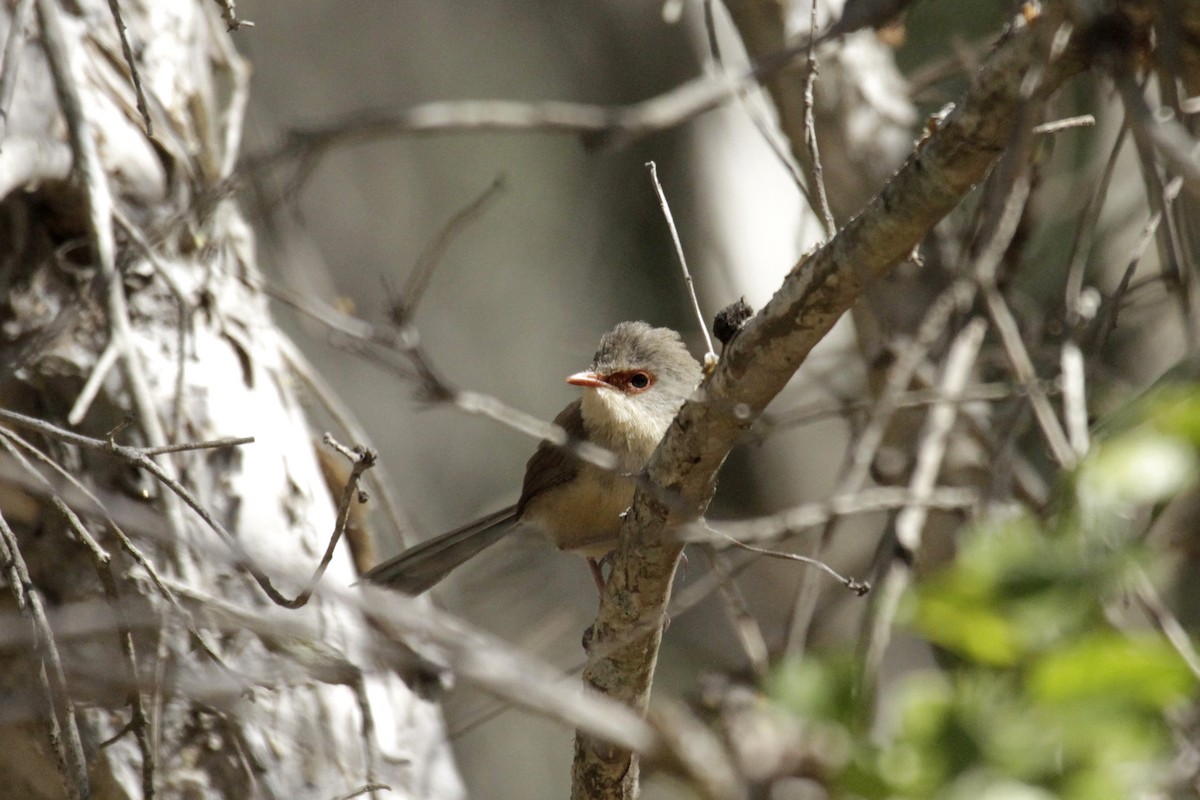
x: 764, y: 356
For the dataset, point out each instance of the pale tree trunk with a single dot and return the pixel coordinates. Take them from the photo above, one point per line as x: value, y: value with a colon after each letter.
x: 126, y: 269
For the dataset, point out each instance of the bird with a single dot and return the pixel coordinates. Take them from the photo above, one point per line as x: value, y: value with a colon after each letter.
x: 638, y: 379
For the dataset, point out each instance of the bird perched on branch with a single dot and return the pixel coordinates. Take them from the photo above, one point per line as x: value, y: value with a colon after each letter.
x: 635, y: 385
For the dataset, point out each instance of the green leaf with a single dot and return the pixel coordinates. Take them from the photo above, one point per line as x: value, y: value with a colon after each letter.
x: 1111, y: 668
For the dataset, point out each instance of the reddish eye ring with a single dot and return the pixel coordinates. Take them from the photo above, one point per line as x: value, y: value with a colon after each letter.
x: 633, y: 381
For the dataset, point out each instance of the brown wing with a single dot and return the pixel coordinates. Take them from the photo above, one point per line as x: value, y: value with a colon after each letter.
x: 551, y: 466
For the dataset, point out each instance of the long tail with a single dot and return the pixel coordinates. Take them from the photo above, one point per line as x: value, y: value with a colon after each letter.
x: 421, y: 566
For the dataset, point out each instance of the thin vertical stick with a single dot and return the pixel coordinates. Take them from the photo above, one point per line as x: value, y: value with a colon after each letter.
x: 710, y: 355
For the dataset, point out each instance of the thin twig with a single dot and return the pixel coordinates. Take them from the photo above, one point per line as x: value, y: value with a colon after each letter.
x: 1065, y: 124
x: 229, y: 13
x: 915, y: 398
x: 418, y: 280
x: 816, y: 180
x: 1165, y: 620
x: 1004, y: 221
x: 710, y: 355
x: 1159, y: 198
x: 185, y: 310
x: 381, y: 484
x: 364, y: 789
x: 432, y: 387
x: 853, y: 585
x: 1085, y: 230
x: 757, y: 118
x: 857, y: 468
x: 910, y: 522
x: 98, y: 199
x: 10, y: 441
x: 60, y: 711
x: 748, y: 631
x: 13, y: 44
x: 363, y: 459
x: 599, y: 126
x: 237, y: 99
x: 1022, y: 367
x: 1106, y: 320
x: 95, y: 380
x: 214, y: 444
x: 810, y: 515
x: 137, y: 457
x: 115, y: 9
x: 1074, y: 396
x: 940, y: 420
x: 139, y: 721
x: 1165, y: 133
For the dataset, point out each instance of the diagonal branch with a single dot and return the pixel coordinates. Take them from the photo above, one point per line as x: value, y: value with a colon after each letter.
x: 765, y: 355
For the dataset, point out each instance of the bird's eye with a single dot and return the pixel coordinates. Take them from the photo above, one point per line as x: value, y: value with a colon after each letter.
x: 639, y: 380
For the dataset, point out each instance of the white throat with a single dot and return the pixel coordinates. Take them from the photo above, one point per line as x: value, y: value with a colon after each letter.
x: 629, y: 426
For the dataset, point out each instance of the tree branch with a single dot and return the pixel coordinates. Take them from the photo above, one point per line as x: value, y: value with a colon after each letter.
x: 764, y: 356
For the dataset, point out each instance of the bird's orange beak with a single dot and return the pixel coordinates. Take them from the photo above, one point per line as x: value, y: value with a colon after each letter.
x: 591, y: 379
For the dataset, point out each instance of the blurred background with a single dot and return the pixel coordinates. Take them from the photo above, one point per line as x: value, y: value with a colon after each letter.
x: 576, y: 242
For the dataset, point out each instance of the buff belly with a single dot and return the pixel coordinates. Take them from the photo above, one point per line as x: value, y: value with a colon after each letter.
x: 586, y: 512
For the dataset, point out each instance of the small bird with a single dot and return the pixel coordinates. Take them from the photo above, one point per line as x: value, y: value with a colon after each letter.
x: 636, y: 383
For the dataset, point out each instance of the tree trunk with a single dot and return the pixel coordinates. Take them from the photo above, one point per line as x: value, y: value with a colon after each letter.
x: 130, y: 304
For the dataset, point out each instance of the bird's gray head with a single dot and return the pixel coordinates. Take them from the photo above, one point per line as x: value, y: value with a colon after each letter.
x: 639, y: 358
x: 638, y: 379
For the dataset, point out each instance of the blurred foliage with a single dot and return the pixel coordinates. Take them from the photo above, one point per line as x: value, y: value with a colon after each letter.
x: 1054, y: 684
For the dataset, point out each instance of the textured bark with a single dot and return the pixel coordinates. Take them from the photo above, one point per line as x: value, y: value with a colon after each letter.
x: 197, y: 357
x: 765, y: 355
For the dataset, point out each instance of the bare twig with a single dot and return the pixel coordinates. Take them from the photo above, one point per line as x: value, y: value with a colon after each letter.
x: 100, y: 370
x: 60, y: 711
x: 748, y: 631
x: 599, y: 126
x: 857, y: 469
x: 911, y: 520
x: 139, y: 721
x: 1074, y: 397
x: 184, y: 308
x: 10, y: 441
x: 9, y: 60
x: 381, y: 484
x: 1169, y: 138
x: 363, y: 459
x: 756, y: 115
x: 214, y: 444
x: 137, y: 457
x: 62, y: 56
x: 364, y: 789
x: 932, y: 449
x: 1022, y: 366
x: 431, y: 256
x: 853, y: 585
x: 432, y: 387
x: 710, y: 355
x: 756, y: 365
x: 810, y: 515
x: 812, y: 164
x: 1085, y: 230
x: 1165, y: 620
x: 229, y: 13
x: 1065, y: 124
x: 914, y: 398
x: 1106, y: 320
x: 1146, y: 136
x: 115, y: 9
